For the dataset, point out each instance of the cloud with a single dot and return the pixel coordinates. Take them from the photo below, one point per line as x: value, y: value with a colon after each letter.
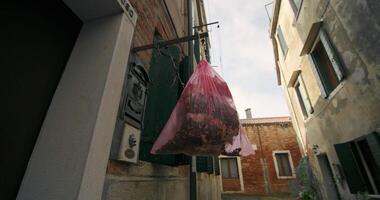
x: 262, y: 105
x: 242, y: 49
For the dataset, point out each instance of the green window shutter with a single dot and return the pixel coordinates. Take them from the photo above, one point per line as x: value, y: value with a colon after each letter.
x: 210, y: 165
x: 162, y: 97
x: 317, y: 76
x: 334, y: 58
x: 350, y: 168
x: 217, y: 165
x: 205, y: 164
x: 197, y: 50
x: 373, y: 141
x: 202, y: 163
x: 281, y: 39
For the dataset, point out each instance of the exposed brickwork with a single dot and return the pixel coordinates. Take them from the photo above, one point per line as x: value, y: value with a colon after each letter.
x: 268, y: 137
x: 152, y: 17
x: 231, y: 184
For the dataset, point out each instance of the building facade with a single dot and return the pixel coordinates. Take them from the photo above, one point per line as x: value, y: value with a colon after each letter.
x: 73, y: 81
x: 269, y: 171
x: 327, y: 64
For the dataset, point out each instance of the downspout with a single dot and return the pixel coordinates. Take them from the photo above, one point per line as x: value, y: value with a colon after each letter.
x: 264, y: 164
x: 190, y: 51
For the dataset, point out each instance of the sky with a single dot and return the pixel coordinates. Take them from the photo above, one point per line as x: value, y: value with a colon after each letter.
x: 242, y: 51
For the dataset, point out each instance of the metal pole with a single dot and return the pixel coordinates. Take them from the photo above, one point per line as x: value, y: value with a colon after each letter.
x: 190, y: 51
x: 190, y: 46
x: 170, y: 42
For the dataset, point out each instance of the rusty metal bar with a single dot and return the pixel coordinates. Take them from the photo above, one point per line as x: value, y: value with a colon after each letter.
x: 170, y: 42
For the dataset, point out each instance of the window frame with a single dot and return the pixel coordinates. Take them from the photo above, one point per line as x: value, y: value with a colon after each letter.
x: 241, y: 179
x: 281, y: 37
x: 229, y: 168
x: 295, y: 9
x: 334, y: 59
x: 303, y: 101
x: 293, y: 176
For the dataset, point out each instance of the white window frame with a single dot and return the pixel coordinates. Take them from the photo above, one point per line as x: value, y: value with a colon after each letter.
x: 293, y: 176
x: 294, y: 7
x: 334, y: 59
x: 241, y: 179
x: 284, y: 52
x: 308, y: 109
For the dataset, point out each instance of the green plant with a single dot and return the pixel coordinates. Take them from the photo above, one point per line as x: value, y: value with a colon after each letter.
x: 307, y: 195
x: 362, y: 195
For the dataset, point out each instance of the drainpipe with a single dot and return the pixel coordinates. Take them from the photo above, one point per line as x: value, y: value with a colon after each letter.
x: 190, y: 51
x: 264, y: 164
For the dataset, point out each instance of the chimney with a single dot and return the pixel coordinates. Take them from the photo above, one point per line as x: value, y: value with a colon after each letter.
x: 248, y: 113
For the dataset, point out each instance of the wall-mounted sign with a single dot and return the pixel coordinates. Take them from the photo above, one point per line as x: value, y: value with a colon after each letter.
x: 128, y: 10
x: 130, y: 144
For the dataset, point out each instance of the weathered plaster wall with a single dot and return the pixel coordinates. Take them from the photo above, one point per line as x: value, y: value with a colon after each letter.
x: 145, y: 181
x: 352, y: 109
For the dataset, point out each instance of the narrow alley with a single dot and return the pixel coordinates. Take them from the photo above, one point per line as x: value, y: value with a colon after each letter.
x: 190, y: 100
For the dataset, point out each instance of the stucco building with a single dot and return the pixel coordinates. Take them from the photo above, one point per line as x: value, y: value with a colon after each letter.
x: 269, y: 171
x: 327, y: 64
x: 75, y: 87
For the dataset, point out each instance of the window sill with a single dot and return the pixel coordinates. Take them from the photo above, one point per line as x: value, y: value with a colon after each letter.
x: 286, y: 177
x: 231, y: 179
x: 232, y: 191
x: 336, y: 90
x: 328, y: 99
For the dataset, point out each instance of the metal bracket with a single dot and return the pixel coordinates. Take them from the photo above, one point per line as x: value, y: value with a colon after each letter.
x: 170, y: 42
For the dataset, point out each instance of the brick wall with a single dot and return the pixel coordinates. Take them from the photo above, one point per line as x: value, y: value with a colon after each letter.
x: 259, y: 172
x: 231, y: 185
x: 153, y: 16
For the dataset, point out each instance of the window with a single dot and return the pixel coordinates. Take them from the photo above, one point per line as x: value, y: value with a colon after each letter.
x: 360, y: 160
x: 230, y: 168
x: 327, y: 64
x: 281, y: 39
x: 303, y: 97
x: 283, y: 164
x: 296, y: 5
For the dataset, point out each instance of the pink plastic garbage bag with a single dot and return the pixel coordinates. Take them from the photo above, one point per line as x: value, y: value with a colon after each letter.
x: 241, y: 145
x: 204, y: 118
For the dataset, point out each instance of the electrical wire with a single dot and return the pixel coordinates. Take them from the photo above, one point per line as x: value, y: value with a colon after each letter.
x: 176, y: 70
